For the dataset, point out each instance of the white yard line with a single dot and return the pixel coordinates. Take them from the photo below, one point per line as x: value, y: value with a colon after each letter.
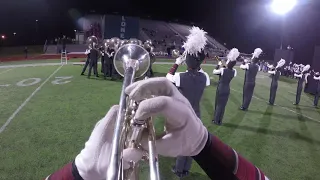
x: 27, y: 100
x: 275, y: 104
x: 5, y: 71
x: 30, y: 65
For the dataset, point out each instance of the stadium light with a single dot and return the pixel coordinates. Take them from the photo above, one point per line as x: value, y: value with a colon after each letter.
x: 36, y: 20
x: 75, y: 30
x: 282, y: 7
x: 14, y: 33
x: 3, y: 37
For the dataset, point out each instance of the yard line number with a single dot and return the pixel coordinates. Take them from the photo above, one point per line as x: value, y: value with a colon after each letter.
x: 33, y: 81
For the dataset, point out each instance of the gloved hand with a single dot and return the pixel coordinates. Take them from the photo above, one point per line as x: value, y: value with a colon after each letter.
x: 220, y: 63
x: 93, y: 160
x: 179, y: 139
x: 180, y: 60
x: 181, y: 121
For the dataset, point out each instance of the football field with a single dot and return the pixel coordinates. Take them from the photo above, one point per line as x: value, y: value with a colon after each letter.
x: 48, y: 112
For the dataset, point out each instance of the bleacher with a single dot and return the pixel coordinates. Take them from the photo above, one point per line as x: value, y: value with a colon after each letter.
x: 165, y: 36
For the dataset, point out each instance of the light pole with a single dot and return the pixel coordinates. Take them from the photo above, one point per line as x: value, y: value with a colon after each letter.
x: 36, y: 35
x: 282, y: 7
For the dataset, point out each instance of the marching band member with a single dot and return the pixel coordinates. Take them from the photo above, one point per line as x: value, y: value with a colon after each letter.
x: 275, y: 73
x: 87, y: 61
x: 94, y: 55
x: 302, y: 77
x: 185, y: 136
x: 110, y: 70
x: 102, y: 52
x: 148, y: 46
x: 191, y: 84
x: 316, y: 96
x: 250, y: 78
x: 223, y: 88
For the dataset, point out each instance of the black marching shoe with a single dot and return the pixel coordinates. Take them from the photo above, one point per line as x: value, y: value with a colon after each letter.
x: 179, y: 174
x: 243, y: 109
x: 82, y: 74
x: 216, y: 123
x: 295, y: 104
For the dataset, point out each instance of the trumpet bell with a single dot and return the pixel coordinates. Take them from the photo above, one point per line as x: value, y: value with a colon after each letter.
x: 175, y: 53
x: 130, y: 52
x: 92, y: 39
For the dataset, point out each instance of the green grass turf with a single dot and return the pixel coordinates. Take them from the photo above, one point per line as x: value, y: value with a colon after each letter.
x: 283, y: 140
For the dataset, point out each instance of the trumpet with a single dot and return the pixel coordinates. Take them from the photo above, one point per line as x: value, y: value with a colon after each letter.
x: 131, y: 61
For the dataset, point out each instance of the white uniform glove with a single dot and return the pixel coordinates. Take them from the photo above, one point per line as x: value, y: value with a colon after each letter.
x: 220, y: 63
x: 181, y: 121
x: 93, y: 160
x: 180, y: 60
x: 179, y: 139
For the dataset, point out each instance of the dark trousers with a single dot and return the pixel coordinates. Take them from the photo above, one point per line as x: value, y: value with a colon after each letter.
x: 93, y: 64
x: 110, y: 71
x: 316, y: 99
x: 106, y: 69
x: 298, y: 95
x: 248, y: 89
x: 102, y: 64
x: 183, y: 163
x: 273, y: 92
x: 150, y: 72
x: 222, y: 96
x: 85, y: 65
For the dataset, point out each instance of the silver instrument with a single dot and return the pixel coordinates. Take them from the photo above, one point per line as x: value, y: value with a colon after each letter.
x: 175, y: 53
x: 131, y: 61
x: 92, y: 41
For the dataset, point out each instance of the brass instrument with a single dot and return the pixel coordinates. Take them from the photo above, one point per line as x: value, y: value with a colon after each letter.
x: 92, y: 42
x: 131, y: 61
x: 175, y: 53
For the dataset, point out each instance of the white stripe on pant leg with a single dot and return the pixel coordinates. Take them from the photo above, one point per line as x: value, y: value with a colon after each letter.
x: 26, y: 101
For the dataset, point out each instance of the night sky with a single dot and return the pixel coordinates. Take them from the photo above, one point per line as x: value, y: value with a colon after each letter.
x: 245, y: 24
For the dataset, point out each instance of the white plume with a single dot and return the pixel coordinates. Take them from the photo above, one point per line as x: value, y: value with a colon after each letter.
x: 233, y: 54
x: 196, y: 41
x: 306, y: 68
x: 281, y: 63
x: 256, y: 53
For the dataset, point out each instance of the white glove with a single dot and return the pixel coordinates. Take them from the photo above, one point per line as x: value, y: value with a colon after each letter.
x: 180, y: 60
x: 185, y: 134
x: 220, y: 63
x: 93, y: 160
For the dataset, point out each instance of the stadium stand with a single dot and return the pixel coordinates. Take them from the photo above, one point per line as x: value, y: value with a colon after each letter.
x: 165, y: 37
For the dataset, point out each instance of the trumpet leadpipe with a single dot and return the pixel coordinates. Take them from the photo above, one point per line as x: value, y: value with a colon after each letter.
x: 117, y: 146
